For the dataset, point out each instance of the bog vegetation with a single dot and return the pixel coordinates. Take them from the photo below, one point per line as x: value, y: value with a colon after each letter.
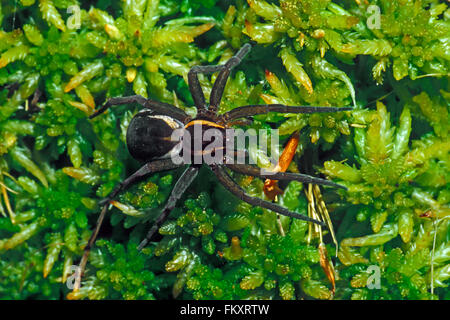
x: 60, y: 59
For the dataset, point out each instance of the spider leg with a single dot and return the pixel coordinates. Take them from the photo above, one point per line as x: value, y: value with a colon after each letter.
x: 180, y: 187
x: 194, y: 85
x: 219, y: 84
x: 87, y: 249
x: 241, y: 122
x: 235, y: 155
x: 151, y: 167
x: 258, y: 172
x: 235, y: 189
x: 221, y: 80
x: 252, y: 110
x: 156, y: 106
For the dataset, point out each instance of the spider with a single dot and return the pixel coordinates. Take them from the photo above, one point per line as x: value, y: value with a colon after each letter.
x: 149, y: 140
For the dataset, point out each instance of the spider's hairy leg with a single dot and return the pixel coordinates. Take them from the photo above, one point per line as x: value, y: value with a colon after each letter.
x: 219, y: 84
x: 221, y: 80
x: 236, y: 190
x: 235, y: 155
x: 151, y: 167
x: 252, y: 110
x: 87, y: 249
x: 255, y: 171
x: 180, y: 187
x: 194, y: 84
x: 156, y: 106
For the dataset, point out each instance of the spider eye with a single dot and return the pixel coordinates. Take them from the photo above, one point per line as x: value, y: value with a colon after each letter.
x: 149, y: 136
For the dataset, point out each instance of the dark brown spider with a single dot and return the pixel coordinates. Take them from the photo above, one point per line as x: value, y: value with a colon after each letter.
x: 149, y: 139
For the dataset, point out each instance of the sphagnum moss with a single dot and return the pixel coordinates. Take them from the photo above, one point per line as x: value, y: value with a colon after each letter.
x: 392, y: 152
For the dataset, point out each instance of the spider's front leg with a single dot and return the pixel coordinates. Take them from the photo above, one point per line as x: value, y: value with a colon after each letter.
x: 221, y: 80
x: 255, y: 171
x: 253, y: 110
x: 194, y: 84
x: 219, y: 84
x: 235, y: 189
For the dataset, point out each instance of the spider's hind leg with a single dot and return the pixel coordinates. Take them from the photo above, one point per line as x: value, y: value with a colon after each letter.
x: 156, y: 106
x: 180, y: 187
x: 118, y: 101
x: 151, y: 167
x: 87, y: 249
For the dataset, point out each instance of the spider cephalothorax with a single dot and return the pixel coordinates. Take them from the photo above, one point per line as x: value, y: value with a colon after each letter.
x: 151, y: 139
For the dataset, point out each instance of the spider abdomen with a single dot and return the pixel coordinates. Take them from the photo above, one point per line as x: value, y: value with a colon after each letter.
x: 149, y: 136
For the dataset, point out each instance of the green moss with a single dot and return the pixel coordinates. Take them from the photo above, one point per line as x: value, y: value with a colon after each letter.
x: 392, y: 152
